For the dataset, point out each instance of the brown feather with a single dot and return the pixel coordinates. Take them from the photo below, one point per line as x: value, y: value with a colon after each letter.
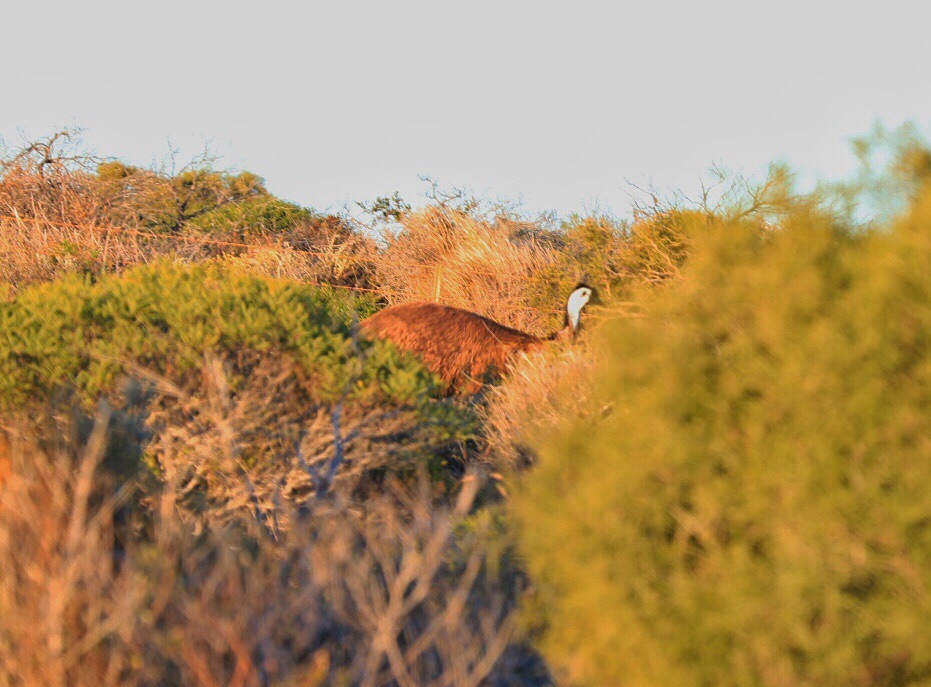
x: 465, y: 349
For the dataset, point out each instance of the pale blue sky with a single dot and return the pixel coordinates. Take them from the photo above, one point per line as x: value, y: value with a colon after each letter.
x: 335, y: 102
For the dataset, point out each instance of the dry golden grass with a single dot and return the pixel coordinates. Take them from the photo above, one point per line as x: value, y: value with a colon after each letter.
x: 346, y: 262
x: 540, y: 392
x: 40, y: 249
x: 34, y: 250
x: 451, y: 257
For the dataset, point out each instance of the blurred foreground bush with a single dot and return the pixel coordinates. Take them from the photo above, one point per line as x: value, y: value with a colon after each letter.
x: 754, y: 510
x: 104, y: 585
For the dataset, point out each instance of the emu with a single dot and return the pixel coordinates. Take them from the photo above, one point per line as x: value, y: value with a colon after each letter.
x: 464, y: 348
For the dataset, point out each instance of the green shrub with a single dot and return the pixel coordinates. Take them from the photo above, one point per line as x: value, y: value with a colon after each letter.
x: 615, y: 256
x: 168, y: 203
x: 254, y: 215
x: 588, y: 249
x: 85, y: 335
x: 658, y: 244
x: 755, y: 508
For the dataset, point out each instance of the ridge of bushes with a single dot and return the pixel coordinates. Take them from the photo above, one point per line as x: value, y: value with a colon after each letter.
x: 167, y: 318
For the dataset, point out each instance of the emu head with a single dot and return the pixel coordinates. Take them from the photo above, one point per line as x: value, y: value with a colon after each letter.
x: 580, y: 295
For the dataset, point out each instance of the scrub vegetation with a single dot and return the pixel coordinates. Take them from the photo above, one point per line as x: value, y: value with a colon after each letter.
x: 207, y: 477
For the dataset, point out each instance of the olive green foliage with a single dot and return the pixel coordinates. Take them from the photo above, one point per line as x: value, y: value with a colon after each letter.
x: 613, y: 256
x: 168, y: 202
x: 893, y: 166
x: 166, y: 319
x: 589, y: 251
x: 754, y: 508
x: 387, y: 208
x: 658, y: 244
x: 263, y: 213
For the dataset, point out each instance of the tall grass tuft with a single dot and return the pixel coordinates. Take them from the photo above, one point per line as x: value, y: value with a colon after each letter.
x: 446, y: 255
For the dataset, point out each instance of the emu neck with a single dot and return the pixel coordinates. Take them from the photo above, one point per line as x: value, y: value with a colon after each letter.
x: 574, y: 310
x: 571, y: 320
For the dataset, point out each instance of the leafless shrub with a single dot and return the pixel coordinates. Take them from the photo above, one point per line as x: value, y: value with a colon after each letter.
x: 50, y: 179
x: 101, y: 587
x: 373, y: 594
x: 250, y: 434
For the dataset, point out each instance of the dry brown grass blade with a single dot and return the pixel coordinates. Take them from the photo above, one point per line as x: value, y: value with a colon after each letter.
x: 448, y: 256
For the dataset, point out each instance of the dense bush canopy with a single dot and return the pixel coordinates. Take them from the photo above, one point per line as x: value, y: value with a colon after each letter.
x: 754, y: 510
x: 83, y: 334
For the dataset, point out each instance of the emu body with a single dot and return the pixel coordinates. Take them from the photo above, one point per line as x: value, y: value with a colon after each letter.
x: 464, y: 348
